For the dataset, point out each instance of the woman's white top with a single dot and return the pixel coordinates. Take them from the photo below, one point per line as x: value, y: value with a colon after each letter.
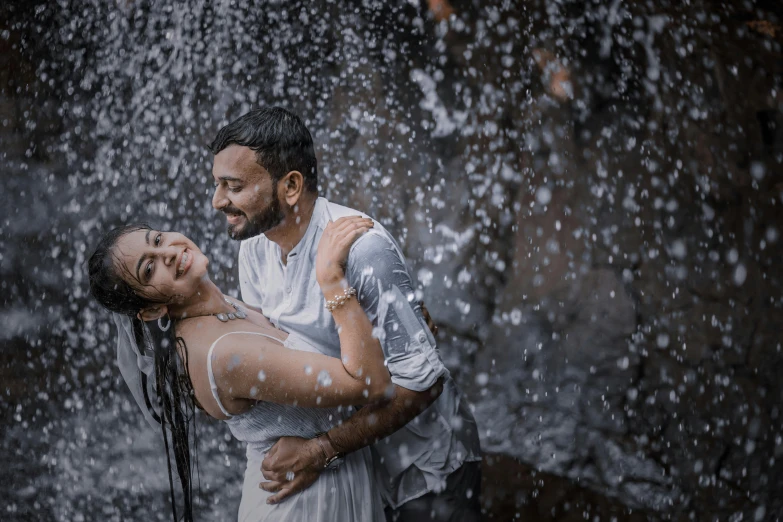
x: 347, y: 492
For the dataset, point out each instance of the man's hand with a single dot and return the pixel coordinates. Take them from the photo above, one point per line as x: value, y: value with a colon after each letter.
x: 303, y: 458
x: 430, y: 323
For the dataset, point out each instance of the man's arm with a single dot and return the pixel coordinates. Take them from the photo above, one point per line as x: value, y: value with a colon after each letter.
x: 377, y: 421
x: 306, y: 458
x: 384, y: 286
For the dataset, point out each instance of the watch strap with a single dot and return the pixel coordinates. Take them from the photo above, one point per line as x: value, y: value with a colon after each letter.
x: 329, y: 459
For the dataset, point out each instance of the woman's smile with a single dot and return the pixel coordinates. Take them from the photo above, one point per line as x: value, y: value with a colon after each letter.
x: 185, y: 262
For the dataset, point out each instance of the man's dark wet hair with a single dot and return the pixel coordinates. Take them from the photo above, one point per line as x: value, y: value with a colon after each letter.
x: 280, y: 140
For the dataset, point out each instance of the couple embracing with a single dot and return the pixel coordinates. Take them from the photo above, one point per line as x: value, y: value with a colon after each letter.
x: 326, y: 369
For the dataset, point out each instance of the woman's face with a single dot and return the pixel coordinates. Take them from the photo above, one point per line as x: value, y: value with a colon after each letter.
x: 164, y: 266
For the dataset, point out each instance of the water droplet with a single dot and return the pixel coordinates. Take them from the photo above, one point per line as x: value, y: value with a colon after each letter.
x: 543, y: 195
x: 324, y: 379
x: 732, y: 256
x: 679, y: 249
x: 757, y: 170
x: 740, y: 274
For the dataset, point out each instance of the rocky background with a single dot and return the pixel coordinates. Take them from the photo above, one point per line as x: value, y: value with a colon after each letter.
x: 588, y: 192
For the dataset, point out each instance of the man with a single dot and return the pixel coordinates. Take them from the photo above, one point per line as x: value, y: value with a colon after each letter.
x: 425, y: 439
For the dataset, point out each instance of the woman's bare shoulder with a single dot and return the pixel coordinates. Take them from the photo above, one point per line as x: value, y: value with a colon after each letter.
x: 200, y: 335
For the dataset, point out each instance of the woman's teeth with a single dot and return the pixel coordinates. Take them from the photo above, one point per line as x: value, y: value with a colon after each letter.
x: 182, y: 263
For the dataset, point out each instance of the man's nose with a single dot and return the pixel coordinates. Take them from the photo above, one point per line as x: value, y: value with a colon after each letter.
x: 218, y: 199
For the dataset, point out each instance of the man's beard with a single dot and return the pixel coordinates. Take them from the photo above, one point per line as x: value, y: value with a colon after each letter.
x: 258, y: 224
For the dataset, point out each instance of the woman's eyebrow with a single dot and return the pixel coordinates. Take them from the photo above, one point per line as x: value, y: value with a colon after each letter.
x: 141, y: 259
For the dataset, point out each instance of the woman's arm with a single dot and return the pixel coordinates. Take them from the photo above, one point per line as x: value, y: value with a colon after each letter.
x: 360, y: 351
x: 249, y: 368
x: 246, y: 370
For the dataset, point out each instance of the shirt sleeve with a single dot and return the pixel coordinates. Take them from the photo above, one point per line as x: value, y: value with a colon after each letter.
x: 248, y: 277
x: 384, y: 288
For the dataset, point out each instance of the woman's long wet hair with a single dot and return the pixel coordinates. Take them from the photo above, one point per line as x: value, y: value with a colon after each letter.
x: 175, y: 397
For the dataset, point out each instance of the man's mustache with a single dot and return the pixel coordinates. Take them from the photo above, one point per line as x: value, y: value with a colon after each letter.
x: 232, y: 210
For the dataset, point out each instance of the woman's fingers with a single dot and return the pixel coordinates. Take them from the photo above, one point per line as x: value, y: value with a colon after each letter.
x: 347, y: 233
x: 355, y: 230
x: 343, y: 243
x: 350, y: 234
x: 349, y: 220
x: 344, y: 225
x: 335, y: 244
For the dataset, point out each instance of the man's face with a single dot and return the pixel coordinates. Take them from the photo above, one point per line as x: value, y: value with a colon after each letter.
x: 245, y: 193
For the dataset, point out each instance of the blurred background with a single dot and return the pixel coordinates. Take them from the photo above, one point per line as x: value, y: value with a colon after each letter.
x: 589, y: 193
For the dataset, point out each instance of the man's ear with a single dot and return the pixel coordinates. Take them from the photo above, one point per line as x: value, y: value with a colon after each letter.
x: 292, y: 187
x: 152, y: 313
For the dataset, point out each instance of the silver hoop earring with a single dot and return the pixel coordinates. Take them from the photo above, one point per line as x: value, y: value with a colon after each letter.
x: 164, y: 328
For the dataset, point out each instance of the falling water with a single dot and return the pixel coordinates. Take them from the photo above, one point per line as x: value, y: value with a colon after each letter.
x: 589, y: 194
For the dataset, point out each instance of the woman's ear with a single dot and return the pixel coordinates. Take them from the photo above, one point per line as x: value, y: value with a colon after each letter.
x: 292, y: 187
x: 153, y: 313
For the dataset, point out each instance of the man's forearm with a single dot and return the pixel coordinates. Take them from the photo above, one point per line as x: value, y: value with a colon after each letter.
x: 376, y: 421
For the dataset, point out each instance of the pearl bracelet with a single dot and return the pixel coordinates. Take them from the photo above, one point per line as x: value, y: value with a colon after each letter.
x: 340, y: 300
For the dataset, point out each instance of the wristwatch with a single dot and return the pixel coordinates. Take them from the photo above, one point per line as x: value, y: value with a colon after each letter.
x: 333, y: 461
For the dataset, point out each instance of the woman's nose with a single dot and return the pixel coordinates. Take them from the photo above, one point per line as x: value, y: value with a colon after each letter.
x: 170, y: 254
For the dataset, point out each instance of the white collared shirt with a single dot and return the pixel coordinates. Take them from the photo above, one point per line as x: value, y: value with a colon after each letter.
x: 417, y: 458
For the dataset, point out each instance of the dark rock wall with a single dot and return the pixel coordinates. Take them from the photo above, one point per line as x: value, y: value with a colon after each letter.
x: 588, y: 193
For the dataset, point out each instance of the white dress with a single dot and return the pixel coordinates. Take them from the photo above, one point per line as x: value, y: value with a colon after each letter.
x: 347, y: 493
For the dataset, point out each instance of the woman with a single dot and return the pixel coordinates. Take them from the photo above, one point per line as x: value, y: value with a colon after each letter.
x: 227, y: 359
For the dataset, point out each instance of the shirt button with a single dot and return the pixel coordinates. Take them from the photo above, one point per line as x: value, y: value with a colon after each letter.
x: 422, y: 337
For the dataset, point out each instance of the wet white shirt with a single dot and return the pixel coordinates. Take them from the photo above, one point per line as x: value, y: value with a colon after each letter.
x: 416, y: 459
